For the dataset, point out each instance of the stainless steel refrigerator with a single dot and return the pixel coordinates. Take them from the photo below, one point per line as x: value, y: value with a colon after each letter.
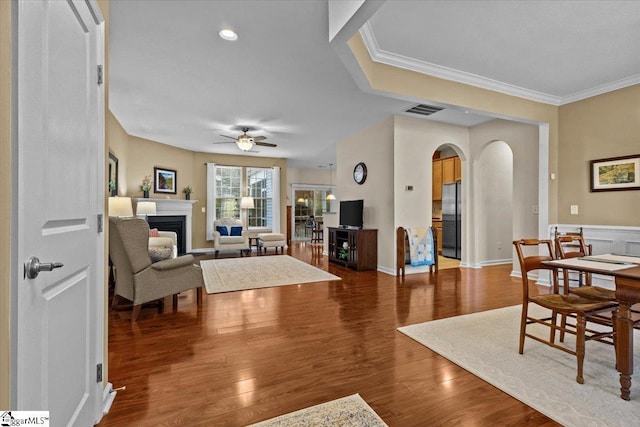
x: 451, y: 220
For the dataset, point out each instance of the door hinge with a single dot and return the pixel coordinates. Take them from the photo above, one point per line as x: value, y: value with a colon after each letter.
x: 99, y: 373
x: 99, y: 223
x: 99, y: 74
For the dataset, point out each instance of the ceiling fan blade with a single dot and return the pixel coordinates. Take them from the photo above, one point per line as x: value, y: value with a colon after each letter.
x: 265, y: 144
x: 224, y: 142
x: 259, y: 138
x: 230, y: 137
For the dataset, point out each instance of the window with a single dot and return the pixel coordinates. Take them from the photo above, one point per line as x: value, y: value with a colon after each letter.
x: 228, y: 191
x: 260, y: 187
x: 226, y: 185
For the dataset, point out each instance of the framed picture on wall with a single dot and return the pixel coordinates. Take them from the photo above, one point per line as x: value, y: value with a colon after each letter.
x: 165, y: 180
x: 616, y: 173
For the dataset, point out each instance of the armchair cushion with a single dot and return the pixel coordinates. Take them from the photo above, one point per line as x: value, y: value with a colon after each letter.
x: 159, y: 253
x: 238, y: 239
x: 170, y: 264
x: 231, y: 240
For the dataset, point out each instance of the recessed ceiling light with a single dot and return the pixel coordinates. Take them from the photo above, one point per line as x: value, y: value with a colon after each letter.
x: 228, y: 34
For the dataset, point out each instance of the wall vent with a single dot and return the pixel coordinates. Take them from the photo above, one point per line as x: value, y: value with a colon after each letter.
x: 424, y: 110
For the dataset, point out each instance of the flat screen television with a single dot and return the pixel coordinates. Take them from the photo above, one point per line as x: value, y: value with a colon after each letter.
x: 351, y: 213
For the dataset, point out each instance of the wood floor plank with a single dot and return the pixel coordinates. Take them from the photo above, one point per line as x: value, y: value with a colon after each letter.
x: 242, y: 357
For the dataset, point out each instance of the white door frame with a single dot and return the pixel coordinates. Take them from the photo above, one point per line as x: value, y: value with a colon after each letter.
x: 308, y: 187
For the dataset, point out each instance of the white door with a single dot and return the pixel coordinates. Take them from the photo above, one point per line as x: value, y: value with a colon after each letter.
x: 60, y: 113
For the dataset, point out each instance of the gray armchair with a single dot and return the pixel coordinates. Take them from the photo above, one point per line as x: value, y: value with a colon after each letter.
x: 136, y: 277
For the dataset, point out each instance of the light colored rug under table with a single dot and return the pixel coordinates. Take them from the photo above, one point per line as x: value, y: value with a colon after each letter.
x: 486, y: 344
x: 350, y: 411
x: 234, y: 274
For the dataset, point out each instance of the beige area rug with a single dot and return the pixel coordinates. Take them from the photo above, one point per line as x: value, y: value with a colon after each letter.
x: 346, y: 412
x: 486, y: 344
x: 235, y: 274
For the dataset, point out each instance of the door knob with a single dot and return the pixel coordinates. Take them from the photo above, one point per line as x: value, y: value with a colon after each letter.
x: 33, y: 267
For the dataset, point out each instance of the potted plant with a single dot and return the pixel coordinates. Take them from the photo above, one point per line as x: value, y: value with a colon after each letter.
x: 187, y: 192
x: 145, y: 187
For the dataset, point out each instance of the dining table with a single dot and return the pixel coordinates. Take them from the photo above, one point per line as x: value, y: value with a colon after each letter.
x: 625, y: 271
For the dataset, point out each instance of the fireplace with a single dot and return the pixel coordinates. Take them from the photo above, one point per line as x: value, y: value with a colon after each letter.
x: 176, y: 223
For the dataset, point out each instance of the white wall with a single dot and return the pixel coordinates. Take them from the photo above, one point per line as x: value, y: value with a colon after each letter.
x: 415, y: 142
x: 524, y: 144
x: 493, y: 208
x: 374, y: 147
x: 318, y: 176
x: 398, y: 153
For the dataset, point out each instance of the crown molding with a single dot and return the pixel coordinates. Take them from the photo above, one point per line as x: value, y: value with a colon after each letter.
x: 446, y: 73
x: 599, y: 90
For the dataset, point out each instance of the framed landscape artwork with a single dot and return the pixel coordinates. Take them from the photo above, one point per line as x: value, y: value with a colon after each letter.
x: 165, y: 180
x: 616, y: 173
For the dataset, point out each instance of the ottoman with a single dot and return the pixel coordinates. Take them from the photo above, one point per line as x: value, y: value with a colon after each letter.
x: 271, y: 240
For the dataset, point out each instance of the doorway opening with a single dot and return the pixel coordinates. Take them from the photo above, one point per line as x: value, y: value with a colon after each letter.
x: 309, y: 205
x: 447, y: 203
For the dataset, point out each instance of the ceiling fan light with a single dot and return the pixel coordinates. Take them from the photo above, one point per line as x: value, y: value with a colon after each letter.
x: 228, y: 34
x: 245, y: 142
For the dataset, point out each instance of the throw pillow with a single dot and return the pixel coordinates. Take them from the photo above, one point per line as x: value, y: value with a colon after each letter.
x: 236, y: 231
x: 222, y: 229
x: 158, y: 253
x: 153, y: 232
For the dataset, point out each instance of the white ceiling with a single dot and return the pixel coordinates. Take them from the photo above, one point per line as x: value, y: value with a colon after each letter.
x: 173, y: 80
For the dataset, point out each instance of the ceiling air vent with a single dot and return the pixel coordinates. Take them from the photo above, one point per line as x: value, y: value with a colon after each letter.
x: 424, y: 110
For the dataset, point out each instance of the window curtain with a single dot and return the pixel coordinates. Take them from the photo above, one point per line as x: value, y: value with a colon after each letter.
x: 211, y: 199
x: 275, y: 214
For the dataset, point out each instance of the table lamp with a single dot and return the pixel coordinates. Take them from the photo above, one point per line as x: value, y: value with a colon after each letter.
x: 120, y: 206
x: 146, y: 209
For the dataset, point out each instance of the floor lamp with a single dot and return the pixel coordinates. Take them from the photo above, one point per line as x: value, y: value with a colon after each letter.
x: 246, y: 203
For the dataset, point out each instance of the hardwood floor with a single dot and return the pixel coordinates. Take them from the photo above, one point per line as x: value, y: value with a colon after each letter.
x: 244, y: 357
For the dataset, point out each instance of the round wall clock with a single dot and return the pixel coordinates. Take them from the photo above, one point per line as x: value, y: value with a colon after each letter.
x: 360, y: 173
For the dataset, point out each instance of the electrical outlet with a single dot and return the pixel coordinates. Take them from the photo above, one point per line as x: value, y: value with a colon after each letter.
x: 204, y: 210
x: 499, y: 245
x: 574, y: 209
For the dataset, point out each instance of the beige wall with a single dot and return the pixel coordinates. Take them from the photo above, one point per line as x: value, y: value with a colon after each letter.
x: 116, y: 142
x: 138, y: 157
x: 6, y: 194
x: 374, y: 147
x: 143, y: 155
x: 600, y: 127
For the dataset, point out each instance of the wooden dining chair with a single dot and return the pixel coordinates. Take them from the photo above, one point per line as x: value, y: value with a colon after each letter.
x: 574, y: 246
x: 317, y: 241
x: 532, y: 253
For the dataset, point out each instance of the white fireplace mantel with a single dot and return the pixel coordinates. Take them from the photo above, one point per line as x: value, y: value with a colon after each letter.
x: 174, y: 207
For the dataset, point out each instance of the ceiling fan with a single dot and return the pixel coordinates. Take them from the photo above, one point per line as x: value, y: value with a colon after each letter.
x: 246, y: 142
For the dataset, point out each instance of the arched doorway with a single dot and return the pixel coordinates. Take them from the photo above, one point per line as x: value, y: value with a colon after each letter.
x: 447, y: 203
